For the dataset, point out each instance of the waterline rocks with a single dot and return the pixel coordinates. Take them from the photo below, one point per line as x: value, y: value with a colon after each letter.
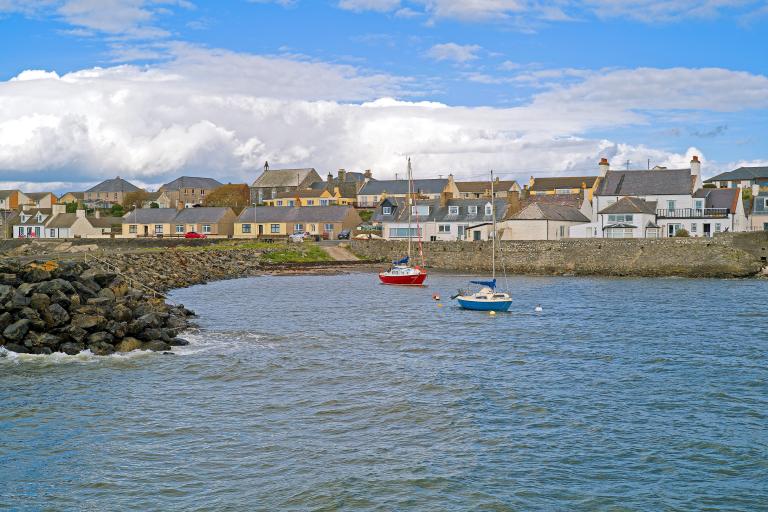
x: 68, y: 307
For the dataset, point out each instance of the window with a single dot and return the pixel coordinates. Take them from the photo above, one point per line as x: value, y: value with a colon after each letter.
x: 206, y: 228
x: 291, y: 203
x: 421, y: 210
x: 444, y: 228
x: 298, y: 228
x: 386, y: 210
x: 403, y: 232
x: 699, y: 204
x: 310, y: 202
x: 562, y: 231
x: 329, y: 227
x: 563, y: 191
x: 765, y: 202
x: 323, y: 202
x: 462, y: 231
x: 202, y: 192
x: 453, y: 210
x: 132, y: 228
x: 621, y: 218
x: 694, y: 227
x: 718, y: 227
x: 671, y: 204
x: 115, y: 196
x: 179, y: 228
x: 274, y: 228
x: 619, y: 232
x: 158, y: 228
x: 472, y: 210
x: 52, y: 233
x: 246, y: 228
x: 280, y: 202
x: 488, y: 209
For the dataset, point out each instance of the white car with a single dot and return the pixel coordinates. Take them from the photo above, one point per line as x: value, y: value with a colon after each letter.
x: 297, y: 237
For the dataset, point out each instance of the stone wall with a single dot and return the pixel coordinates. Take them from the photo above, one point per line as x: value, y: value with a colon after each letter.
x: 687, y: 257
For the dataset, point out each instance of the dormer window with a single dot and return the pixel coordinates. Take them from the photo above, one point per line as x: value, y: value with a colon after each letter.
x: 386, y: 210
x: 472, y: 210
x: 488, y: 209
x: 39, y: 217
x: 421, y: 210
x: 453, y: 210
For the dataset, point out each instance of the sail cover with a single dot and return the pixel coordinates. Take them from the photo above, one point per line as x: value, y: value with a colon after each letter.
x: 401, y: 262
x: 489, y: 284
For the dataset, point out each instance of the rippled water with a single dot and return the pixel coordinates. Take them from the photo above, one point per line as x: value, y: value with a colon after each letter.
x: 336, y: 393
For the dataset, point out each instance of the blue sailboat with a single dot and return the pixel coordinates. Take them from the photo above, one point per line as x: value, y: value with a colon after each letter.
x: 487, y: 298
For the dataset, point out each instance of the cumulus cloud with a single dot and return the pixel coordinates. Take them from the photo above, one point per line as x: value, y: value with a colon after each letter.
x: 222, y: 114
x: 454, y: 52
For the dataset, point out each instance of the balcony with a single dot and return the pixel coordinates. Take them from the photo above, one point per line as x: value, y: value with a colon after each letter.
x: 694, y: 213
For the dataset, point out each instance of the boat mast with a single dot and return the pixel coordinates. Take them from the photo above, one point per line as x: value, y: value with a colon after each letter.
x: 408, y: 205
x: 493, y: 242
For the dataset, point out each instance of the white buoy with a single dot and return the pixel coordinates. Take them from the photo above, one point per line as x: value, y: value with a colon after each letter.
x: 492, y: 313
x: 538, y: 308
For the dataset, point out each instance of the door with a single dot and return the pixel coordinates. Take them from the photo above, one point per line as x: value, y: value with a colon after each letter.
x: 261, y: 229
x: 476, y: 235
x: 146, y: 230
x: 707, y: 230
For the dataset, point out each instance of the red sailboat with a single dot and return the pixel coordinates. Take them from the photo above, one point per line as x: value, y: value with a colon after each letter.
x: 401, y: 272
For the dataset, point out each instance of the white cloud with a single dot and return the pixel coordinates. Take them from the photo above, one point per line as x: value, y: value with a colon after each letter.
x: 454, y: 52
x: 223, y: 114
x: 369, y: 5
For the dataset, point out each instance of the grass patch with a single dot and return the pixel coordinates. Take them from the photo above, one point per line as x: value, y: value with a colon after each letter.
x: 298, y: 253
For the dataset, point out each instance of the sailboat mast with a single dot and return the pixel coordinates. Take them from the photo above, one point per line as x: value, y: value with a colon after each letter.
x: 408, y: 205
x: 493, y: 242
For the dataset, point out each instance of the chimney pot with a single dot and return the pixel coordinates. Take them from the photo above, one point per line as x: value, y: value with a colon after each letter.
x: 603, y: 161
x: 695, y: 158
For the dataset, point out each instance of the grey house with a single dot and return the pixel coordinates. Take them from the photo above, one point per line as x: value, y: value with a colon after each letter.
x: 275, y: 181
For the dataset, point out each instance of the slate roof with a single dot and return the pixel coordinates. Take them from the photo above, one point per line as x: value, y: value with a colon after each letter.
x: 631, y: 205
x: 552, y: 183
x: 62, y: 220
x: 481, y: 187
x: 191, y: 182
x: 211, y: 214
x: 441, y: 213
x: 277, y: 214
x: 307, y: 192
x: 5, y: 194
x: 742, y: 173
x: 32, y: 220
x: 150, y: 216
x: 114, y: 185
x: 639, y: 183
x: 548, y: 211
x: 77, y: 195
x: 103, y: 222
x: 283, y: 177
x: 36, y: 196
x: 719, y: 197
x: 400, y: 187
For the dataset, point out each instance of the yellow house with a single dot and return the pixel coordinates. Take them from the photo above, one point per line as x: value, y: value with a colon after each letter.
x: 562, y: 185
x: 276, y: 221
x: 148, y: 222
x: 310, y: 197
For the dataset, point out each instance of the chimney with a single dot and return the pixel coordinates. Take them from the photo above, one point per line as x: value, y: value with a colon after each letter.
x: 531, y: 182
x: 80, y: 214
x: 513, y: 200
x: 58, y: 209
x: 266, y: 166
x: 97, y: 214
x: 368, y: 174
x: 330, y: 177
x: 342, y: 175
x: 695, y: 166
x: 604, y: 167
x: 444, y: 197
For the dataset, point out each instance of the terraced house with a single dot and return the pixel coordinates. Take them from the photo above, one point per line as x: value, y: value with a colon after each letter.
x: 745, y: 178
x: 562, y: 185
x: 276, y: 181
x: 275, y: 221
x: 108, y: 193
x: 375, y: 191
x: 187, y: 191
x: 214, y: 222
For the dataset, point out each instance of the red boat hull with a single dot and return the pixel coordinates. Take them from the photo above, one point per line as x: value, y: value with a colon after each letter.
x: 404, y: 280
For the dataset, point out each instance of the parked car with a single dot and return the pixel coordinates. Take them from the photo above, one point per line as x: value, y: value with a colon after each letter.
x: 297, y: 237
x: 344, y: 235
x: 192, y: 234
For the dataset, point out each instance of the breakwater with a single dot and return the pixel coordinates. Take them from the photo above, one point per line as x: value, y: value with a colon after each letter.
x: 69, y: 307
x: 728, y: 256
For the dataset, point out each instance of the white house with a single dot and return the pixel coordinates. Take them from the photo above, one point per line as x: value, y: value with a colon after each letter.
x: 542, y: 221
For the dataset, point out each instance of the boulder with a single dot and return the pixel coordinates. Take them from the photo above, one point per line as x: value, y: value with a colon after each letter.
x: 100, y: 301
x: 56, y: 315
x: 117, y: 329
x: 71, y: 348
x: 54, y: 285
x: 75, y: 333
x: 39, y: 301
x: 26, y: 289
x: 99, y: 337
x: 88, y: 322
x: 9, y: 279
x: 17, y: 330
x: 99, y: 276
x: 84, y: 291
x: 106, y: 293
x: 13, y: 347
x: 129, y: 345
x: 50, y: 340
x: 178, y: 342
x: 36, y: 275
x: 88, y: 283
x: 156, y: 346
x: 122, y: 313
x: 35, y: 320
x: 176, y: 322
x: 144, y: 322
x: 6, y: 293
x: 20, y: 300
x: 46, y: 351
x: 101, y: 348
x: 6, y: 319
x: 61, y: 298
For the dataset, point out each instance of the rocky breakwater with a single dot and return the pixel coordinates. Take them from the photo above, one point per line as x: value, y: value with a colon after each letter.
x: 69, y: 307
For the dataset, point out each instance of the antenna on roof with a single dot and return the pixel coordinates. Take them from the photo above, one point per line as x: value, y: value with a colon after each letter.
x: 649, y: 164
x: 628, y: 161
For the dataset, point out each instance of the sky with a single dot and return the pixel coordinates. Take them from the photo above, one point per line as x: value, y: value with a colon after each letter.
x: 153, y: 89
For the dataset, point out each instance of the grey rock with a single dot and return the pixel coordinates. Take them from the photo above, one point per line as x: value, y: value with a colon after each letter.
x: 88, y: 322
x: 56, y: 315
x: 122, y: 313
x: 6, y: 293
x: 99, y: 337
x: 106, y: 293
x: 71, y: 348
x: 101, y: 348
x: 88, y: 283
x: 84, y: 291
x: 117, y: 329
x: 35, y: 320
x: 178, y: 342
x: 61, y: 298
x: 20, y: 300
x: 157, y: 346
x: 50, y: 340
x: 54, y: 285
x: 39, y: 301
x: 17, y: 330
x: 6, y: 319
x: 9, y: 279
x: 36, y: 275
x: 27, y: 289
x: 20, y: 349
x: 99, y: 276
x: 42, y: 350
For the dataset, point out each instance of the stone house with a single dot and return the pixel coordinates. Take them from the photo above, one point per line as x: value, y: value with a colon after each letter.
x: 108, y: 193
x: 31, y: 223
x: 72, y: 197
x: 482, y: 189
x: 562, y: 185
x: 188, y: 191
x: 274, y: 181
x: 213, y: 222
x: 375, y: 191
x: 269, y: 221
x: 306, y: 197
x: 542, y: 221
x: 345, y: 185
x: 160, y: 198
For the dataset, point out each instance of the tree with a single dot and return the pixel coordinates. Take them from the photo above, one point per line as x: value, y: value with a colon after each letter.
x: 236, y: 196
x: 72, y: 207
x: 154, y: 205
x: 117, y: 210
x: 135, y: 199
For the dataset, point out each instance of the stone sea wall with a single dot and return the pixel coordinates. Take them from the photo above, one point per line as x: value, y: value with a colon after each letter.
x: 686, y: 257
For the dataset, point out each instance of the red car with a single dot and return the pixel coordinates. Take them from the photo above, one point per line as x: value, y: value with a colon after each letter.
x: 192, y: 234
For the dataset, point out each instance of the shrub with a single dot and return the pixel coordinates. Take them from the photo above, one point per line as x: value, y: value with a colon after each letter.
x: 682, y: 233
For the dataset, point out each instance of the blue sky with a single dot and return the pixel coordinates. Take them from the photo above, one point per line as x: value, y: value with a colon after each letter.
x: 154, y: 89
